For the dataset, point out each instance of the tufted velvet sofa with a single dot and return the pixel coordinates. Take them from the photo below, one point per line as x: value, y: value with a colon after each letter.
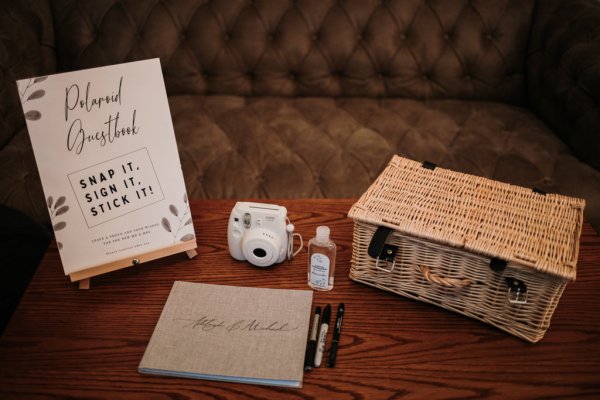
x: 311, y: 98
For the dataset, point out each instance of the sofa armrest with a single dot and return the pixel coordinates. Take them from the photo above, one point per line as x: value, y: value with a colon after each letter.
x: 563, y: 69
x: 26, y: 49
x: 22, y: 245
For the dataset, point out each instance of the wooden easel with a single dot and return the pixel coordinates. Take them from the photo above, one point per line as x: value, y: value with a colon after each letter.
x: 83, y: 277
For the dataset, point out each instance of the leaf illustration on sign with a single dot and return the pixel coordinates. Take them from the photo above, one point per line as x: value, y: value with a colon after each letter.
x: 62, y: 210
x: 37, y: 94
x: 187, y: 237
x: 183, y: 220
x: 61, y: 200
x: 32, y: 115
x: 166, y: 224
x: 57, y: 209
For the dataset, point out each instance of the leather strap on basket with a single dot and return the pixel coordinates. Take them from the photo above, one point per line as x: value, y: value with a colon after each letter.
x: 378, y: 241
x: 449, y: 283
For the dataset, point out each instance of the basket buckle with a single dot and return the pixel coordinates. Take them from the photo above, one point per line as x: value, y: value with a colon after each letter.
x: 517, y: 291
x: 380, y: 250
x: 387, y: 256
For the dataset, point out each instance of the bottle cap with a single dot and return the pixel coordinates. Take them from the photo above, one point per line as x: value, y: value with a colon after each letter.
x: 323, y: 233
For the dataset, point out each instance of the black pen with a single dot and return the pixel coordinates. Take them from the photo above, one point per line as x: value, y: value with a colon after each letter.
x: 311, y: 347
x: 336, y: 335
x: 322, y: 335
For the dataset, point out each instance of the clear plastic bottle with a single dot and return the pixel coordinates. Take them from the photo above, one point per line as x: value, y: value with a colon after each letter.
x: 321, y: 260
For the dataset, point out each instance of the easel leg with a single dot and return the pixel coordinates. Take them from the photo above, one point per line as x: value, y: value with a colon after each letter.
x: 191, y: 253
x: 84, y: 283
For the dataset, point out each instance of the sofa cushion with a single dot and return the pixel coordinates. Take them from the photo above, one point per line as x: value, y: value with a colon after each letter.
x: 236, y: 147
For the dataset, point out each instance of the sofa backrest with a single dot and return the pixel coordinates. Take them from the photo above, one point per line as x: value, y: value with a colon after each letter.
x: 373, y: 48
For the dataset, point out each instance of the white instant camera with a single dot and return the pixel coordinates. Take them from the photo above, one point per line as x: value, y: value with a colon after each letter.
x: 260, y: 233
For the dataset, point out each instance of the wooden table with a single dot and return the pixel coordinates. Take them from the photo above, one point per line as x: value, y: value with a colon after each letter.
x: 63, y: 342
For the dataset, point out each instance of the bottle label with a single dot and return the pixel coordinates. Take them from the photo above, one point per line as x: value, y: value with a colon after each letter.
x: 319, y: 270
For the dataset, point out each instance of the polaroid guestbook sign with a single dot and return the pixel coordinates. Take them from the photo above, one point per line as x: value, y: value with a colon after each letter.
x: 107, y: 157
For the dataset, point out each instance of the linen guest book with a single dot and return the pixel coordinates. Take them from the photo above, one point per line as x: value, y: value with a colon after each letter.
x: 234, y: 334
x: 107, y: 157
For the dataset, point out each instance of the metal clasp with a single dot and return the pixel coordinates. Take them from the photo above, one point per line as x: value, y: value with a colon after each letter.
x: 387, y: 255
x: 517, y: 291
x: 380, y: 250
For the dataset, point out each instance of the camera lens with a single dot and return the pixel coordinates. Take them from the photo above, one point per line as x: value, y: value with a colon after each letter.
x: 261, y: 247
x: 260, y: 253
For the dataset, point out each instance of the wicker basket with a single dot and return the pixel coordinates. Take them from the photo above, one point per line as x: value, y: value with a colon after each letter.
x: 492, y: 251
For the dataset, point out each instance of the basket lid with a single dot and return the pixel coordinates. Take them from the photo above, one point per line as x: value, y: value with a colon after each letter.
x: 477, y: 214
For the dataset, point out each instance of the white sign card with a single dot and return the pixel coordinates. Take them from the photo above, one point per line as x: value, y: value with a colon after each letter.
x: 106, y: 153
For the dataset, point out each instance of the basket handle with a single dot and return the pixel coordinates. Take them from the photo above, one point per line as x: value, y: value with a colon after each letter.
x: 448, y: 283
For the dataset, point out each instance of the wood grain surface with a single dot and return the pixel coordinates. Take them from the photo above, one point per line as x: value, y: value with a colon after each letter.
x: 63, y: 342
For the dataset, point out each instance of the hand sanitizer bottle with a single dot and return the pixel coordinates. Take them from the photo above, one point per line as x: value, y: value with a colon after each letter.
x: 321, y: 260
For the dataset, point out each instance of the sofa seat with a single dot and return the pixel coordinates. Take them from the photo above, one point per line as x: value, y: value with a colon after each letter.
x: 236, y: 147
